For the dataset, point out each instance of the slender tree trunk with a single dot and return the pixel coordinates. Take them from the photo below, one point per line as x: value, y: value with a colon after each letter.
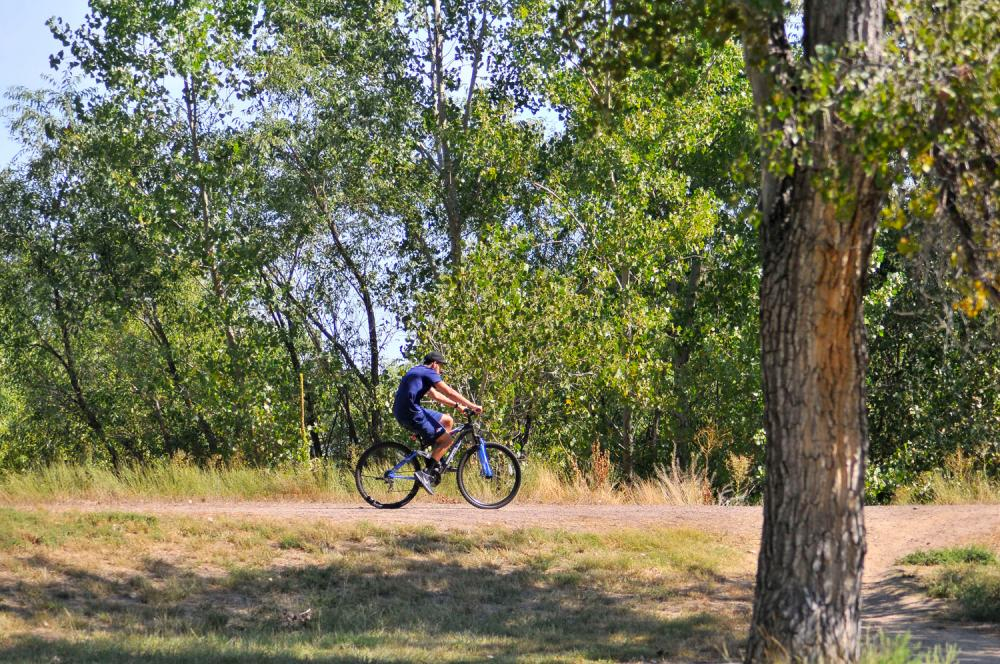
x: 193, y: 112
x: 682, y: 425
x: 169, y: 447
x: 159, y: 334
x: 352, y: 430
x: 628, y: 443
x: 67, y: 358
x: 363, y: 287
x: 815, y: 250
x: 446, y: 159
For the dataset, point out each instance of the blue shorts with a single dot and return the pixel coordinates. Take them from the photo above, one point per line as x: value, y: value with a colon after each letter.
x: 425, y: 423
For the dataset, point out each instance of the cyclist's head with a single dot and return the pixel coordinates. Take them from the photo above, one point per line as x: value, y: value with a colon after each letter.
x: 434, y: 356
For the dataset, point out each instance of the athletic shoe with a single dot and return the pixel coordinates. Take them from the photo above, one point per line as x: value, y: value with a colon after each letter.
x: 426, y: 481
x: 434, y: 469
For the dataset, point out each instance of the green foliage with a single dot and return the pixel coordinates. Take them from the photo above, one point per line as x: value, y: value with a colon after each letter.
x: 219, y: 251
x: 604, y: 316
x: 933, y: 381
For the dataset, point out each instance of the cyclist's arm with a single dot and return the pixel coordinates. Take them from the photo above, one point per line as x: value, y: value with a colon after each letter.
x: 441, y: 399
x: 451, y: 393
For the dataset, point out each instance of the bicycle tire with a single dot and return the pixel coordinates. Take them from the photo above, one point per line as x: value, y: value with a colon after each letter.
x: 479, y: 490
x: 372, y: 467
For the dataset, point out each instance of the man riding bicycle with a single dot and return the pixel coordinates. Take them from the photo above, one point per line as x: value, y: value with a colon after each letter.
x: 431, y: 427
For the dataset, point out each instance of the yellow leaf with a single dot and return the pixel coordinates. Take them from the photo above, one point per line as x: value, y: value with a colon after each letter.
x: 925, y: 162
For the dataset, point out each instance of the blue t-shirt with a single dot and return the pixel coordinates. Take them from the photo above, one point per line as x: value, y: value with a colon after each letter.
x: 412, y: 388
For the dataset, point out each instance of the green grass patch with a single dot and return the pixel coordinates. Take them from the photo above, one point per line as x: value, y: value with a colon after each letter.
x: 884, y: 649
x: 976, y: 589
x: 120, y: 588
x: 976, y: 555
x: 969, y: 576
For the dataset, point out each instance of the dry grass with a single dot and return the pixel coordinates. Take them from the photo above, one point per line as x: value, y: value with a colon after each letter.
x: 118, y: 587
x: 327, y: 482
x: 957, y: 482
x: 178, y: 479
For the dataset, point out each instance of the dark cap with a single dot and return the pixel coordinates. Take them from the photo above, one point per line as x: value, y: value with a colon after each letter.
x: 434, y: 356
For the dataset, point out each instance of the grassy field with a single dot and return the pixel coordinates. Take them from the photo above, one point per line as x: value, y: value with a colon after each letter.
x: 119, y: 587
x: 967, y: 576
x: 115, y: 587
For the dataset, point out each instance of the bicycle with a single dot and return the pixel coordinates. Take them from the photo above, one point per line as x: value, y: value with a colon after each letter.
x: 488, y: 474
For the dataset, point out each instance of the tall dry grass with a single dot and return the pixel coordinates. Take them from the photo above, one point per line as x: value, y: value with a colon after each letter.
x: 177, y: 479
x: 958, y: 482
x: 327, y: 482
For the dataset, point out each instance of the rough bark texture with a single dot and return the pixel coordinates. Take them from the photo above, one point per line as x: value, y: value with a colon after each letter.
x: 816, y: 239
x: 807, y: 604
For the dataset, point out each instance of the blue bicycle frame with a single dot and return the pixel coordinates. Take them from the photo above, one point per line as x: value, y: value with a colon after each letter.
x: 458, y: 442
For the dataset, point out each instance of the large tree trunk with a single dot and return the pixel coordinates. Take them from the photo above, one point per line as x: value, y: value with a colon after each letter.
x: 815, y: 249
x: 807, y: 604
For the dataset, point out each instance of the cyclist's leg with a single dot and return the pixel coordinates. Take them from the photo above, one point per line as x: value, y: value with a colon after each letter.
x: 428, y: 430
x: 441, y: 446
x: 446, y: 420
x: 436, y: 432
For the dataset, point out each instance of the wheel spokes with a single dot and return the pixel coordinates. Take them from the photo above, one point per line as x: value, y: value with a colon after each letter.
x: 495, y: 486
x: 377, y: 482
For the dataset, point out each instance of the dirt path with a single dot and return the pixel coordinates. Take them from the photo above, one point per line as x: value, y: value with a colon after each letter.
x: 892, y: 601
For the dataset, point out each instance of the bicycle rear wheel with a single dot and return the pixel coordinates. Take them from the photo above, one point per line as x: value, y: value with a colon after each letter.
x: 491, y: 480
x: 376, y: 481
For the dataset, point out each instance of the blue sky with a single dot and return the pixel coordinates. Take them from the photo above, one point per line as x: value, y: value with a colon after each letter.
x: 25, y: 45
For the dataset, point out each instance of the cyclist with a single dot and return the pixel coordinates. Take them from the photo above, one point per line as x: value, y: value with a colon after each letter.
x: 430, y: 426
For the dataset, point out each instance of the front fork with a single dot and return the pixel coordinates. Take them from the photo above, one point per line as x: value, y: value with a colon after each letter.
x: 484, y: 462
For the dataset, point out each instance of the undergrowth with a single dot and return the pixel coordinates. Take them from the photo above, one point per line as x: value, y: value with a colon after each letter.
x: 957, y: 482
x: 968, y: 576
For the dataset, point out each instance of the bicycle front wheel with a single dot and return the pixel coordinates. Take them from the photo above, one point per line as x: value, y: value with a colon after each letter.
x: 384, y: 476
x: 489, y: 478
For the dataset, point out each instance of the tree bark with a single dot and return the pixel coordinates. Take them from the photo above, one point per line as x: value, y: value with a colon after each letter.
x: 815, y: 250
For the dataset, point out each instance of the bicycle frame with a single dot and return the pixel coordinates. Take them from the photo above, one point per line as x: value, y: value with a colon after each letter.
x: 459, y: 435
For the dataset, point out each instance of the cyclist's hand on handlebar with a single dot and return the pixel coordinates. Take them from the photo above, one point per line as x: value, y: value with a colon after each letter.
x: 475, y: 409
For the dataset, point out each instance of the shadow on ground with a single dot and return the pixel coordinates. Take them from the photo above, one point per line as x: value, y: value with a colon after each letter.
x: 421, y: 605
x: 898, y: 604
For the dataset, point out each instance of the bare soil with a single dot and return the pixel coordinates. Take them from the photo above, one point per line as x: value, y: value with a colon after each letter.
x: 893, y: 601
